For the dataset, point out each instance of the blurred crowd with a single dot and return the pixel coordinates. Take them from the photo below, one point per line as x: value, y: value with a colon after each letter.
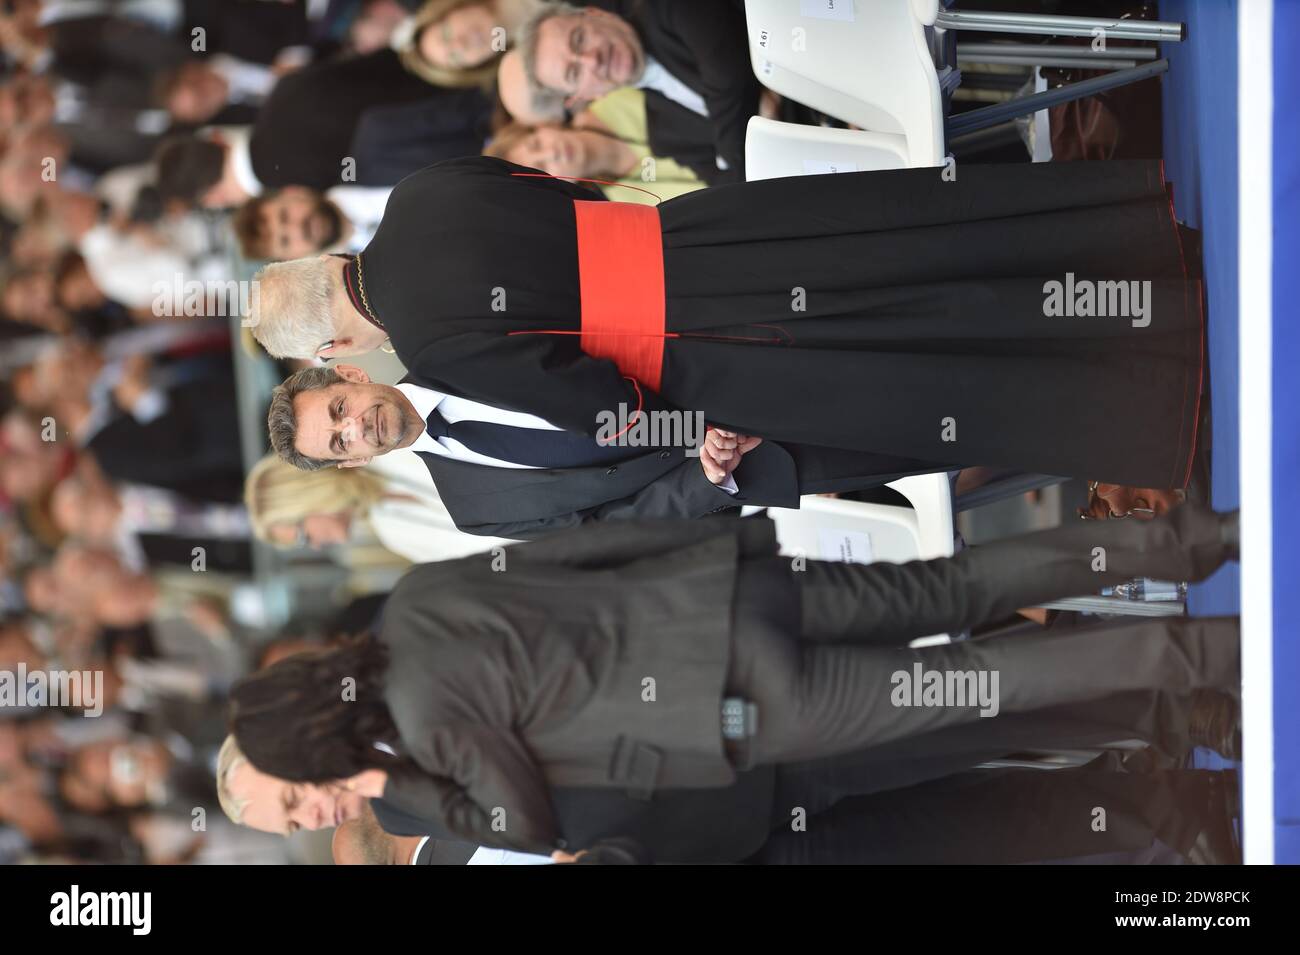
x: 125, y: 539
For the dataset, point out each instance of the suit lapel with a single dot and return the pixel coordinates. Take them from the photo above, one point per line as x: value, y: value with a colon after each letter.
x: 481, y: 494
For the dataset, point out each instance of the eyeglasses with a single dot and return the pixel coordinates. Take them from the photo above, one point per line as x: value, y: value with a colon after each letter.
x: 1145, y: 513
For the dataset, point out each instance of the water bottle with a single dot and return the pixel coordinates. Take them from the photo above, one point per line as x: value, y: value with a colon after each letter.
x: 1146, y: 589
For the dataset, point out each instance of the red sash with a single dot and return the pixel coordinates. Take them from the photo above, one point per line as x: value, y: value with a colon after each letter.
x: 621, y: 282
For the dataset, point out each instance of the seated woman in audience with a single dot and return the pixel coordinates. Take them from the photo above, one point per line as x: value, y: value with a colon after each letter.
x: 607, y: 140
x: 454, y: 43
x: 394, y: 499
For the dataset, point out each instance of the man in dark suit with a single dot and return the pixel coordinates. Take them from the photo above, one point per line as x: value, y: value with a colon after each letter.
x: 1098, y: 813
x: 309, y: 124
x: 752, y: 820
x: 187, y: 442
x: 690, y: 57
x: 509, y: 475
x: 673, y: 656
x: 362, y: 841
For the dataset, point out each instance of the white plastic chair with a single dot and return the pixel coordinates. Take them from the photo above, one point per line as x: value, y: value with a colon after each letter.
x: 774, y: 149
x: 870, y: 63
x: 859, y: 532
x: 875, y: 71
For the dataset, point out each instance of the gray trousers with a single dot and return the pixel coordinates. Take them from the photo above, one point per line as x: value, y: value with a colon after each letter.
x: 823, y: 652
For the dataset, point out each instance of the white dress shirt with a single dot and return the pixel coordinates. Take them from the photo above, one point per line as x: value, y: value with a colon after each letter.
x: 486, y: 856
x: 416, y: 524
x: 237, y: 139
x: 656, y: 77
x: 462, y: 409
x: 247, y: 82
x: 126, y: 268
x: 364, y: 208
x: 456, y: 409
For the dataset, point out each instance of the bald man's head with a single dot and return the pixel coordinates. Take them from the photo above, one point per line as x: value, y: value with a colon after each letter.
x: 362, y: 841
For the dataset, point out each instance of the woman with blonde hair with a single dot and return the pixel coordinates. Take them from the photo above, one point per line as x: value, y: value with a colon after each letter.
x: 608, y: 140
x: 395, y: 500
x: 456, y: 43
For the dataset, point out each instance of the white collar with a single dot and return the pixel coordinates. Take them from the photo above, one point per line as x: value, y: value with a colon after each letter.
x: 415, y: 856
x: 237, y: 139
x: 424, y: 399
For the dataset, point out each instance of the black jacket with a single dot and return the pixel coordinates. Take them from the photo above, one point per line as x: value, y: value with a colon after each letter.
x: 703, y: 43
x: 505, y: 684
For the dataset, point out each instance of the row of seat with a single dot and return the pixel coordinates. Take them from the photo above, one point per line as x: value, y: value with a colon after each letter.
x: 886, y: 67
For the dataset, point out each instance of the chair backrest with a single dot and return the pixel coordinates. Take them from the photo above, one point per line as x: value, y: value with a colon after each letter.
x: 931, y: 498
x: 856, y: 532
x: 866, y: 63
x: 774, y: 150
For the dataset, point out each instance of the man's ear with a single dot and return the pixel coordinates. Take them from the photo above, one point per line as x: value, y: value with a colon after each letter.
x: 336, y: 346
x: 354, y: 463
x: 349, y: 372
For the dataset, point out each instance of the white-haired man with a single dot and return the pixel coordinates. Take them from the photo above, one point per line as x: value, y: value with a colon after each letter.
x: 689, y: 56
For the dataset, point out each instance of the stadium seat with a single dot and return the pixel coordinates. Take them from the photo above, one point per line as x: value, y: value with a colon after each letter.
x: 873, y: 64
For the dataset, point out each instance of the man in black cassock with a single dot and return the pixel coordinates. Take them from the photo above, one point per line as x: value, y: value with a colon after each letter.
x: 895, y: 313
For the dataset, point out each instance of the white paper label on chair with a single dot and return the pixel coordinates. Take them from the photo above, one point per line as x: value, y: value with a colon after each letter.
x: 841, y: 10
x: 847, y: 547
x: 821, y: 167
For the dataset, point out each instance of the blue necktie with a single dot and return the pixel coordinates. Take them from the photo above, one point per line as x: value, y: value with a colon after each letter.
x: 537, y: 447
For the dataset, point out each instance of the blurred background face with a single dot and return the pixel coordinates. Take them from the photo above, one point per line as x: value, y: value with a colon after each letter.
x: 299, y: 222
x: 88, y: 513
x: 560, y: 152
x: 117, y: 773
x: 460, y: 40
x: 315, y: 530
x: 27, y: 100
x: 78, y: 291
x: 589, y: 55
x: 199, y: 94
x: 29, y: 297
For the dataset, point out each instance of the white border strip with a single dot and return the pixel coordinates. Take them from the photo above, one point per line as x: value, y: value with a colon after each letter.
x: 1255, y: 315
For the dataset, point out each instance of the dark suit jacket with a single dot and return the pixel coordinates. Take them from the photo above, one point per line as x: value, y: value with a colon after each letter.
x: 502, y: 685
x: 192, y: 448
x: 104, y: 134
x: 252, y: 30
x: 685, y: 826
x: 307, y: 125
x: 704, y: 44
x: 442, y: 852
x: 393, y: 141
x: 527, y: 503
x: 88, y: 48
